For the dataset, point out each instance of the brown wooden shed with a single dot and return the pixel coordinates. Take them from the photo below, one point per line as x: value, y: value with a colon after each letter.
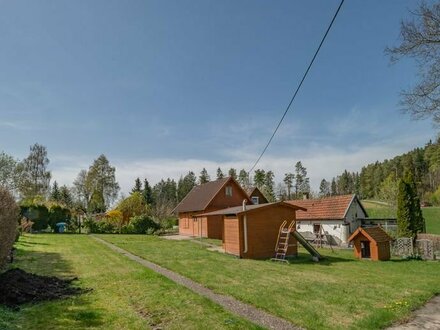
x: 371, y: 243
x: 252, y: 231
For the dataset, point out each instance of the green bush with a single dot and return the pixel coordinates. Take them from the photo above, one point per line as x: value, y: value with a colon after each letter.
x: 58, y: 214
x: 9, y: 213
x: 38, y: 214
x: 141, y: 224
x: 95, y: 226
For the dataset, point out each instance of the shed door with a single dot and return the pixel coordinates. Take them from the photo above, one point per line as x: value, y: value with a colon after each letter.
x: 365, y: 249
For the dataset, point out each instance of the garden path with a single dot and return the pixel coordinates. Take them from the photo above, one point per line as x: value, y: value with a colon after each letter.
x: 427, y: 317
x: 246, y: 311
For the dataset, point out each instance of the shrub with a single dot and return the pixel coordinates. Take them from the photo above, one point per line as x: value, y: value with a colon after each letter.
x: 141, y: 224
x: 58, y: 214
x: 9, y: 213
x: 38, y: 214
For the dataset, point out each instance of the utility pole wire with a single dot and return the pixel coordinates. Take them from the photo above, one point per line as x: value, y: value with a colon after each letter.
x: 299, y: 86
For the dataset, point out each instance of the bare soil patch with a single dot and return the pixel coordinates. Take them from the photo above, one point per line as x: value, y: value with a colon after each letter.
x: 18, y: 287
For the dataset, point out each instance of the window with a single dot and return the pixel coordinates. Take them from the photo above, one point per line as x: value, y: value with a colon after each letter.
x: 228, y: 191
x: 316, y: 228
x: 255, y: 200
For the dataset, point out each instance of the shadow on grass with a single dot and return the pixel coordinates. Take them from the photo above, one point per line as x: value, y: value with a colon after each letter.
x: 65, y: 313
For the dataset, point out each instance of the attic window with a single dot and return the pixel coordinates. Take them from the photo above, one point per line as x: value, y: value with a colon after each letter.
x: 255, y: 200
x: 228, y: 191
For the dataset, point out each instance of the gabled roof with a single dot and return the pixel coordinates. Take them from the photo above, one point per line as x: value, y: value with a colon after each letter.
x: 251, y: 208
x: 376, y: 234
x: 199, y: 198
x: 329, y: 208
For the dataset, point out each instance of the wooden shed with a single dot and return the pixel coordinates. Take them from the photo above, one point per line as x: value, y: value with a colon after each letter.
x: 371, y: 243
x: 251, y: 231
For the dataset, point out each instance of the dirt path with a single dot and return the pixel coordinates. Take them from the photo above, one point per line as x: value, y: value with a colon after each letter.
x: 246, y: 311
x: 427, y: 317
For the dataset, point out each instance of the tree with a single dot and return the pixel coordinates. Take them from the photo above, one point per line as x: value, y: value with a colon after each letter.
x: 409, y: 215
x: 259, y: 178
x: 147, y: 193
x: 243, y: 179
x: 34, y: 176
x: 220, y: 174
x: 421, y: 41
x: 8, y: 223
x: 324, y: 188
x: 185, y: 185
x: 165, y: 198
x: 8, y: 172
x: 131, y: 206
x: 82, y: 189
x: 66, y: 197
x: 288, y: 180
x: 204, y: 176
x: 388, y: 191
x: 302, y: 184
x: 333, y: 188
x: 137, y: 186
x: 232, y: 173
x: 269, y: 186
x: 55, y: 192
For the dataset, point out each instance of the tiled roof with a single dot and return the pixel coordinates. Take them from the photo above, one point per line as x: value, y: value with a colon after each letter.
x: 373, y: 233
x: 329, y: 208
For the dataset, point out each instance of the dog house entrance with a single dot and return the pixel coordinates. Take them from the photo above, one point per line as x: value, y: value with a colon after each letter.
x: 365, y: 249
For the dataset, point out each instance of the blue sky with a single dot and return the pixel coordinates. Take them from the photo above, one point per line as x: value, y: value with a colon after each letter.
x: 163, y: 87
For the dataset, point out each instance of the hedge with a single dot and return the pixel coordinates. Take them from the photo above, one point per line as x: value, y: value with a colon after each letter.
x: 9, y: 213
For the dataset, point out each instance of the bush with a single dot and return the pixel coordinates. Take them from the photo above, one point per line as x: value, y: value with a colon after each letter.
x: 141, y: 224
x: 95, y: 226
x: 58, y: 214
x: 9, y: 213
x: 38, y: 214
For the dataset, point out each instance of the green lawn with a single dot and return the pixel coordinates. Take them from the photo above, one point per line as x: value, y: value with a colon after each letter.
x: 431, y: 214
x: 340, y: 292
x: 125, y: 295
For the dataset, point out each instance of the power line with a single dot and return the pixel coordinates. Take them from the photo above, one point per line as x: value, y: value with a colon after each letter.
x: 299, y: 86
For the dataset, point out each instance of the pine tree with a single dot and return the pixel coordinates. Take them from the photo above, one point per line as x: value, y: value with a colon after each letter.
x: 243, y: 179
x: 204, y: 176
x: 232, y: 173
x: 259, y: 178
x: 185, y: 185
x: 137, y: 186
x: 55, y: 192
x: 302, y: 184
x: 220, y: 174
x: 66, y: 196
x: 288, y: 180
x: 324, y: 188
x: 269, y: 186
x: 333, y: 188
x: 147, y: 193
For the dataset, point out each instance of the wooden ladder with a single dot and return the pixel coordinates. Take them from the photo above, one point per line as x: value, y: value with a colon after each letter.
x: 282, y: 244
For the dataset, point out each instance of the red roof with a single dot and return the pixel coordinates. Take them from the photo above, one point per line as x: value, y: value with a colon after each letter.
x: 329, y: 208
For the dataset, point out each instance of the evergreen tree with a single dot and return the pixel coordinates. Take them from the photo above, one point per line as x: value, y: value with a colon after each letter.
x: 288, y: 180
x: 185, y: 185
x: 232, y: 173
x: 409, y: 215
x: 220, y: 174
x: 333, y: 188
x: 259, y: 178
x: 147, y: 193
x: 66, y: 197
x: 204, y: 176
x: 243, y: 179
x: 269, y: 186
x: 324, y: 188
x: 137, y: 186
x: 302, y: 184
x: 55, y: 192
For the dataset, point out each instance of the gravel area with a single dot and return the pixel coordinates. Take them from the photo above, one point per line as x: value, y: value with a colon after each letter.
x: 427, y: 317
x: 246, y: 311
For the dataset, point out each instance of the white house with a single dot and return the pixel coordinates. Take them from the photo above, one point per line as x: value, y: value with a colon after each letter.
x: 338, y: 216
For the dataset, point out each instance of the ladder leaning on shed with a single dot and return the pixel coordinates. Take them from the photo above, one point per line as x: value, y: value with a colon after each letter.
x: 282, y: 244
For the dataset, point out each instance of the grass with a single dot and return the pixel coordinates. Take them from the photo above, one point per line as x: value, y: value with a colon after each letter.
x: 125, y: 295
x: 340, y: 292
x: 380, y: 210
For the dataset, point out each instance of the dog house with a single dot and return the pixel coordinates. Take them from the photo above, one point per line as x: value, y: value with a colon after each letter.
x: 371, y: 243
x: 251, y: 231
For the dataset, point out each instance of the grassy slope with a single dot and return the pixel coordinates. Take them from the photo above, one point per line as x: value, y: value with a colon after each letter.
x: 338, y: 293
x: 125, y: 295
x: 431, y: 215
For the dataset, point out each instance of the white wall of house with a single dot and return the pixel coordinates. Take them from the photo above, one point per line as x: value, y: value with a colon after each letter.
x: 339, y: 229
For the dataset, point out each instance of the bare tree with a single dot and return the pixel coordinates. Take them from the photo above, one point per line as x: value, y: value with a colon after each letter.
x: 421, y: 41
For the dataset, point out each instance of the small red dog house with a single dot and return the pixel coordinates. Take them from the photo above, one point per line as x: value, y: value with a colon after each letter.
x: 371, y: 243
